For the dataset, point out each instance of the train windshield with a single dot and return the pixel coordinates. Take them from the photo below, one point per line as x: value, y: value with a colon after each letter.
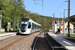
x: 24, y: 23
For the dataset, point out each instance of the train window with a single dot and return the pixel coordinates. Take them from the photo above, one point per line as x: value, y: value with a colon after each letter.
x: 35, y: 26
x: 29, y: 25
x: 32, y: 26
x: 23, y: 25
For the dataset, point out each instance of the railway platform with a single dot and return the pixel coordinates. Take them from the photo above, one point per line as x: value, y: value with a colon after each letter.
x: 69, y: 45
x: 7, y: 35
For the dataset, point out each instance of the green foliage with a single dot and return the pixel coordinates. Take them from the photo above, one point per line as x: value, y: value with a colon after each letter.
x: 15, y: 10
x: 45, y: 21
x: 14, y: 30
x: 2, y: 31
x: 72, y: 35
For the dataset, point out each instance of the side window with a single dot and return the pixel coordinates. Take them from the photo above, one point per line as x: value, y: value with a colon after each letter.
x: 32, y: 26
x: 29, y: 25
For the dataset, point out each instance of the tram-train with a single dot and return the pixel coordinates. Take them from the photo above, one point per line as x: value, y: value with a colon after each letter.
x: 27, y: 26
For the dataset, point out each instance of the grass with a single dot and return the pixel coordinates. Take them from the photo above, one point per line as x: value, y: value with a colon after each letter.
x: 2, y: 31
x: 14, y: 30
x: 72, y: 35
x: 10, y: 31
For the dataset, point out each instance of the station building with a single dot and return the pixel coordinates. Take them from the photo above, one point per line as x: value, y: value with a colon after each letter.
x: 63, y: 26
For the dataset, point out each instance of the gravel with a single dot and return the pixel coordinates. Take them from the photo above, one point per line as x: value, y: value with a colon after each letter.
x: 42, y: 43
x: 24, y: 43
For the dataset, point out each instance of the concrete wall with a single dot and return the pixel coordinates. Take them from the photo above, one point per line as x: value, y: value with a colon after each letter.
x: 71, y: 26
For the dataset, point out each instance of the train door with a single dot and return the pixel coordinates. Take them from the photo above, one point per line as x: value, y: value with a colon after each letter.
x: 33, y: 27
x: 29, y: 28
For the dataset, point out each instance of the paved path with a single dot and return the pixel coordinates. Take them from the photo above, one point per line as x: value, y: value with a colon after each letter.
x: 6, y: 35
x: 66, y: 43
x: 72, y: 39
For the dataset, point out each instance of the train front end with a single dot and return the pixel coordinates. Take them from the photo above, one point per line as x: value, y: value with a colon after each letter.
x: 23, y: 26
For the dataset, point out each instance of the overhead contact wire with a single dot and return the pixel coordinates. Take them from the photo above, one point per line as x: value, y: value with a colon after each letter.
x: 59, y: 6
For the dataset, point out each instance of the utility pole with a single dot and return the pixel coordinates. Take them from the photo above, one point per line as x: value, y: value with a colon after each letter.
x: 42, y: 23
x: 53, y: 16
x: 60, y: 22
x: 42, y: 7
x: 64, y: 21
x: 54, y: 22
x: 68, y: 18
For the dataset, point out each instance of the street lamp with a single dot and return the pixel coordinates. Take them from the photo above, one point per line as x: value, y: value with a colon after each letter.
x: 54, y: 22
x: 42, y: 10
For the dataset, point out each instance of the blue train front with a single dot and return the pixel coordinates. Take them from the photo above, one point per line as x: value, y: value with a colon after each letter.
x: 28, y: 26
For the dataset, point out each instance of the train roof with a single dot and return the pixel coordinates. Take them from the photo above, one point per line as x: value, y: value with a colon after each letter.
x: 35, y: 22
x: 25, y: 19
x: 31, y: 21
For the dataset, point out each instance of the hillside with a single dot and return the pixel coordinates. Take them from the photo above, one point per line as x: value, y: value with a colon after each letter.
x: 14, y: 10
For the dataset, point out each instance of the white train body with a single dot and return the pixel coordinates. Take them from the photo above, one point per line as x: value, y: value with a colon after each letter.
x: 28, y: 26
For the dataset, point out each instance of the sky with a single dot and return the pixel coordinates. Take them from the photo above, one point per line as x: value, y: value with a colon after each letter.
x: 50, y: 7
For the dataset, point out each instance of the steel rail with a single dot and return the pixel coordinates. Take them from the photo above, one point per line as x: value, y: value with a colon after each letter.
x: 35, y: 41
x: 49, y: 43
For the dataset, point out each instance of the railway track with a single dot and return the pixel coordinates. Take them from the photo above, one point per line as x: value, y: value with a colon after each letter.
x: 44, y: 42
x: 54, y: 44
x: 40, y: 43
x: 7, y: 43
x: 35, y: 41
